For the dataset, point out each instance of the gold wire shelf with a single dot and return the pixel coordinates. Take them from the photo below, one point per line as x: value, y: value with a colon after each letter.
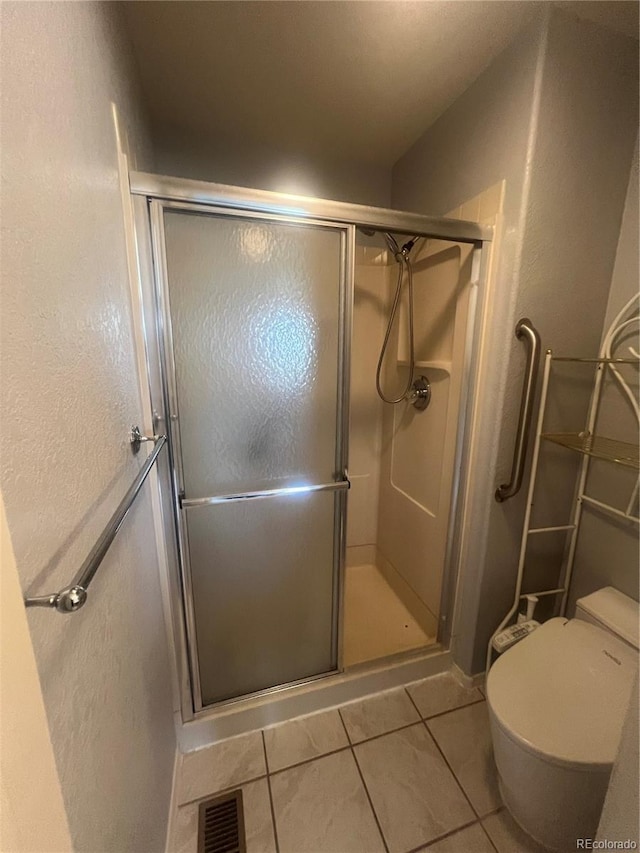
x: 597, y: 360
x: 620, y: 452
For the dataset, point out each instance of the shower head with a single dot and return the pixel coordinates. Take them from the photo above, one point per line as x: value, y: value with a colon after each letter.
x: 392, y: 243
x: 394, y: 247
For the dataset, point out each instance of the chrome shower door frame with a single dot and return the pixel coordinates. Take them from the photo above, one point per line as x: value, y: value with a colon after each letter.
x: 164, y: 334
x: 146, y: 188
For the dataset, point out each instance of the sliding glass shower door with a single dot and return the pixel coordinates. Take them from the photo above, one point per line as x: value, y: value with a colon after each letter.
x: 253, y: 311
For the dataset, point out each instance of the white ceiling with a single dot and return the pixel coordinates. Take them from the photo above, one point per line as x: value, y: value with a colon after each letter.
x: 360, y: 81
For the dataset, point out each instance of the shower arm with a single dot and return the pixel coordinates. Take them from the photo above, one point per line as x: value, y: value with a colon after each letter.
x: 525, y: 330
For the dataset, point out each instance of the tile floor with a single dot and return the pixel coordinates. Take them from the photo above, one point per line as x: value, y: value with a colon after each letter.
x: 404, y: 770
x: 376, y: 622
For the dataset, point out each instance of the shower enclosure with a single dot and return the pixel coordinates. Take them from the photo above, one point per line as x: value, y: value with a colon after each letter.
x: 247, y: 301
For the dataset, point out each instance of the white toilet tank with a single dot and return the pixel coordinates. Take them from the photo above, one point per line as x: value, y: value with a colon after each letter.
x: 613, y: 612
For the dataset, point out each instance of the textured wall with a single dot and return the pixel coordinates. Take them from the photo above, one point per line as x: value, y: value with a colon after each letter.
x: 484, y: 137
x: 556, y: 116
x: 68, y: 397
x: 607, y: 551
x: 267, y: 168
x: 586, y: 127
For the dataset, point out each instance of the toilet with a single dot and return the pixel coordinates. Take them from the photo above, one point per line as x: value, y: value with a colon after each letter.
x: 557, y: 701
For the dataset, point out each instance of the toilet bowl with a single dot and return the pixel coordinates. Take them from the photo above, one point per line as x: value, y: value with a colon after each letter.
x: 557, y: 701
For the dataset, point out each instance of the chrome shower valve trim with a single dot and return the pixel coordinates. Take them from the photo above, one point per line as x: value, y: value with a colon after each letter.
x: 420, y: 394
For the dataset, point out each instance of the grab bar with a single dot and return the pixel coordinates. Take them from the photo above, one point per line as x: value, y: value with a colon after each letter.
x: 74, y: 596
x: 524, y: 330
x: 185, y: 503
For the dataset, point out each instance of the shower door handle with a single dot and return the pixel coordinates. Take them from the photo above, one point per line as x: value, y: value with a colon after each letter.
x: 285, y: 491
x: 524, y: 330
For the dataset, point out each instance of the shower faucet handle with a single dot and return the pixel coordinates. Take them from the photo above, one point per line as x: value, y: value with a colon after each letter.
x: 420, y: 394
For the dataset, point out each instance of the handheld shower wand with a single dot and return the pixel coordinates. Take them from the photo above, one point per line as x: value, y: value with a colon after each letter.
x: 402, y: 257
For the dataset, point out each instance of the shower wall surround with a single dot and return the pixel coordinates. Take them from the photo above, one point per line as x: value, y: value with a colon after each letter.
x: 370, y: 312
x: 418, y: 448
x: 69, y: 397
x: 401, y: 460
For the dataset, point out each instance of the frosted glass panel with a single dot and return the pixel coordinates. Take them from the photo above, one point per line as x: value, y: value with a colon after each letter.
x: 255, y: 316
x: 263, y: 603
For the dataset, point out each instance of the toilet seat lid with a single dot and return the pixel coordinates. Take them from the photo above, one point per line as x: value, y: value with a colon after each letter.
x: 564, y: 691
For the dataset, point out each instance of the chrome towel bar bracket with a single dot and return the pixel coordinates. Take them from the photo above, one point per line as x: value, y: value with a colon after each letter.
x: 526, y: 331
x: 73, y: 597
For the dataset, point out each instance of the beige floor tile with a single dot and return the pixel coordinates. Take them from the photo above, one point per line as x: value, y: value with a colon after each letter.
x: 304, y: 738
x: 222, y: 765
x: 441, y: 693
x: 507, y: 835
x: 322, y: 807
x: 473, y: 839
x: 258, y: 823
x: 465, y: 739
x: 376, y: 622
x: 413, y: 792
x: 380, y: 714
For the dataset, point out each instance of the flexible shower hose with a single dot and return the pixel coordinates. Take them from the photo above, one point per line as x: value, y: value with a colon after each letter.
x: 402, y: 257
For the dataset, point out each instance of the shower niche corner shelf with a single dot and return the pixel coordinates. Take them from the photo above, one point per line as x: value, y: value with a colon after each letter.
x: 435, y: 364
x: 597, y: 446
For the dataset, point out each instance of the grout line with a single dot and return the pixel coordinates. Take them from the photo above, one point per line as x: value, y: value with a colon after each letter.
x: 446, y: 761
x: 350, y: 742
x: 444, y: 758
x: 443, y: 836
x: 384, y: 734
x: 494, y: 811
x: 264, y: 749
x: 453, y: 710
x: 344, y: 726
x: 417, y: 722
x: 487, y: 834
x: 442, y: 713
x: 441, y: 751
x: 366, y: 790
x: 414, y: 704
x: 308, y: 760
x: 220, y: 791
x: 351, y: 746
x: 273, y: 812
x: 347, y: 745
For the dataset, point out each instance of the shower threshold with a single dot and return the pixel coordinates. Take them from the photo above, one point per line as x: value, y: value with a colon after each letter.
x: 245, y: 715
